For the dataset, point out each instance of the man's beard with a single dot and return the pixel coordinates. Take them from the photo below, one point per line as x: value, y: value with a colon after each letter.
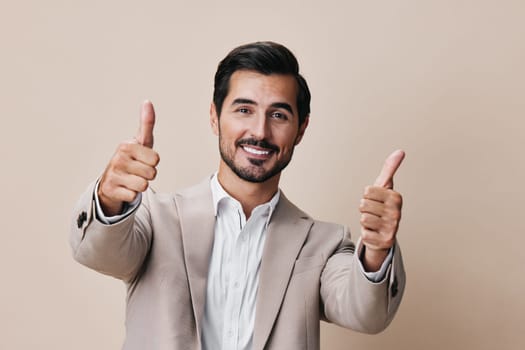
x: 255, y: 173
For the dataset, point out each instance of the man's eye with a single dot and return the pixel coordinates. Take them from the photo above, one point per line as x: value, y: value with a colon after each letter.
x: 244, y: 110
x: 279, y: 115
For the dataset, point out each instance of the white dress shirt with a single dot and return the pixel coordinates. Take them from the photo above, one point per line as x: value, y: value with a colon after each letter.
x: 233, y: 276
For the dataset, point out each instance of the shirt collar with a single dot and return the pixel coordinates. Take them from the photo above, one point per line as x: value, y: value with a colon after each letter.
x: 218, y: 194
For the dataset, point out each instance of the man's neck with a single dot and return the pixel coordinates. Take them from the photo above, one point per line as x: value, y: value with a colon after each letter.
x: 249, y: 194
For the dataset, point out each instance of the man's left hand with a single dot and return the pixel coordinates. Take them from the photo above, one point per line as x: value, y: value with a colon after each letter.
x: 380, y: 214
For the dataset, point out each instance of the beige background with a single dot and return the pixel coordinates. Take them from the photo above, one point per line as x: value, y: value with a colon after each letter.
x: 442, y: 79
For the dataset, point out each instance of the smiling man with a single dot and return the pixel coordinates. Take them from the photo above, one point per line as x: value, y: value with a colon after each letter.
x: 268, y: 111
x: 258, y: 127
x: 231, y: 263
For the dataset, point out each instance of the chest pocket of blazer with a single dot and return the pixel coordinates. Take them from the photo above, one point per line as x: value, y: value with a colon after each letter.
x: 308, y: 263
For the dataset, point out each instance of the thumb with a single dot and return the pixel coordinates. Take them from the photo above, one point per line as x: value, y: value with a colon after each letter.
x: 147, y: 122
x: 386, y: 177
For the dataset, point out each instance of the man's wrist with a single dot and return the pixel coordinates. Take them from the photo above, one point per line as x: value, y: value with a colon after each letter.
x: 126, y: 210
x: 373, y: 259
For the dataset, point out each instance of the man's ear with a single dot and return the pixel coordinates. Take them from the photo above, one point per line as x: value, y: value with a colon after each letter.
x: 214, y: 119
x: 302, y: 129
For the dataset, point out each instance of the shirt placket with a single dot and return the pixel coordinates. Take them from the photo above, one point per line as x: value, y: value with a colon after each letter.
x: 236, y: 283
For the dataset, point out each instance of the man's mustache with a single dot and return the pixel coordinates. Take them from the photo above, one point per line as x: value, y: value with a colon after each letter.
x: 258, y: 143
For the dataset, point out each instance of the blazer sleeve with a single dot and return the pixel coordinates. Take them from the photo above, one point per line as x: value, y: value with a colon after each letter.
x: 117, y: 249
x: 351, y: 300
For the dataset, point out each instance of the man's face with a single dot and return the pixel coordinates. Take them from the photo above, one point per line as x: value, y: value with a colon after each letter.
x: 259, y: 125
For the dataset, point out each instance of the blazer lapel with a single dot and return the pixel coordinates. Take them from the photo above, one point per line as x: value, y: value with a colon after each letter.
x: 197, y: 219
x: 285, y: 236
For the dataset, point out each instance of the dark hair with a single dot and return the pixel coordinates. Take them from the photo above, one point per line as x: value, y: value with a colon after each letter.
x: 265, y: 57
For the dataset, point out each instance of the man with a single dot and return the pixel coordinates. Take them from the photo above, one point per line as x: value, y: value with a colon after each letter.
x: 231, y: 263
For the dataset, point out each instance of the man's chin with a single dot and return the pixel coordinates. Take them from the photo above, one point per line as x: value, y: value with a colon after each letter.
x: 253, y: 176
x: 252, y: 170
x: 254, y: 173
x: 256, y: 162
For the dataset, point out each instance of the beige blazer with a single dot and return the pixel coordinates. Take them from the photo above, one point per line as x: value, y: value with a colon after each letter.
x: 308, y: 272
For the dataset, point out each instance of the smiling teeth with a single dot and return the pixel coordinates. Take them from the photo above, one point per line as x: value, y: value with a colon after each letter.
x: 255, y: 151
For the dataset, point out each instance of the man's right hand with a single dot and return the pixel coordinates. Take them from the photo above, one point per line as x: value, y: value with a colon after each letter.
x: 131, y: 167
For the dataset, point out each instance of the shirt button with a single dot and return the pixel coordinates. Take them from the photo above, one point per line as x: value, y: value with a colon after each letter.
x: 236, y: 285
x: 230, y: 333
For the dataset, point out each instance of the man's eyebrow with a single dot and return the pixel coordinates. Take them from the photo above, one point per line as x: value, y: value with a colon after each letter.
x: 246, y: 101
x: 283, y: 105
x: 243, y: 101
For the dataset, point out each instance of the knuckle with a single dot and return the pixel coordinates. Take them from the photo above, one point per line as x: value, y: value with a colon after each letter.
x: 107, y: 183
x: 396, y: 215
x: 152, y: 173
x: 389, y: 242
x: 124, y: 147
x: 396, y: 198
x: 143, y: 186
x: 368, y: 236
x: 156, y: 158
x: 118, y: 161
x: 389, y: 226
x: 104, y: 188
x: 392, y: 215
x: 386, y: 229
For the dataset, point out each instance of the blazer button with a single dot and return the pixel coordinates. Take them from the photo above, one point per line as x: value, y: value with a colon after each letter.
x: 394, y: 288
x: 82, y: 217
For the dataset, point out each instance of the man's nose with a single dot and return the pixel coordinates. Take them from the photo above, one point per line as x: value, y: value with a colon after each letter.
x: 260, y: 128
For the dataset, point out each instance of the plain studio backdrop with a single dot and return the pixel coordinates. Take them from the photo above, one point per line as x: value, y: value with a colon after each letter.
x: 444, y: 80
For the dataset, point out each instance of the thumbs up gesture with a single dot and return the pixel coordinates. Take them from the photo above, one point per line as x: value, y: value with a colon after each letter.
x: 131, y: 168
x: 380, y: 214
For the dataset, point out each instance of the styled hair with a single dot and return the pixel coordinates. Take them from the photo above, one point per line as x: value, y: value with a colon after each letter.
x: 264, y: 57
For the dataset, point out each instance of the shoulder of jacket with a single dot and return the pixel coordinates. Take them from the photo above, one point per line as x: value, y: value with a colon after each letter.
x: 327, y: 226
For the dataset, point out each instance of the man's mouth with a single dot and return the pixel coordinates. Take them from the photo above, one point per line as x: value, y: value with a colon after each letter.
x: 258, y: 149
x: 255, y: 151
